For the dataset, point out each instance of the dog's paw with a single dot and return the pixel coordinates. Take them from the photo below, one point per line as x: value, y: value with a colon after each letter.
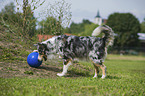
x: 103, y: 76
x: 95, y: 76
x: 35, y: 50
x: 60, y: 74
x: 59, y: 57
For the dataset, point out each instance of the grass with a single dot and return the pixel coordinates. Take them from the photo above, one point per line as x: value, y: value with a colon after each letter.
x: 13, y: 47
x: 125, y: 76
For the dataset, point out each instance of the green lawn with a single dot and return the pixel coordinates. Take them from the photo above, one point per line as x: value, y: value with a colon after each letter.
x: 125, y: 76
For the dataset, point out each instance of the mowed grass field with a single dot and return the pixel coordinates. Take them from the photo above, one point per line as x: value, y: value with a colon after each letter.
x: 125, y: 77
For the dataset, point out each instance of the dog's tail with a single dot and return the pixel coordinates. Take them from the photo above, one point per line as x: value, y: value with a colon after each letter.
x: 109, y: 34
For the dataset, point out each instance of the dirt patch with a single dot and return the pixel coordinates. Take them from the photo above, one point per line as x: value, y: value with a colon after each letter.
x: 22, y: 69
x: 48, y: 69
x: 13, y: 53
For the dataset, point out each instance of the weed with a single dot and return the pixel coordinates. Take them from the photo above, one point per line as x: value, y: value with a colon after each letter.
x: 11, y: 69
x: 29, y: 72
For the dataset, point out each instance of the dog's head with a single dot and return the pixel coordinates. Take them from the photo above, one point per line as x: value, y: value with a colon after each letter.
x: 42, y: 48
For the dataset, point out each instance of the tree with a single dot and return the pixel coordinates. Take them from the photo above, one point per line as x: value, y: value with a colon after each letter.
x: 143, y: 26
x: 9, y: 9
x: 88, y: 29
x: 21, y: 24
x: 75, y: 28
x: 7, y: 12
x: 79, y: 28
x: 49, y: 26
x: 29, y: 21
x: 60, y: 10
x: 10, y: 18
x: 126, y: 26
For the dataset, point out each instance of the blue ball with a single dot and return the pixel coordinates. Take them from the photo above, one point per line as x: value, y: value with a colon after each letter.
x: 32, y: 59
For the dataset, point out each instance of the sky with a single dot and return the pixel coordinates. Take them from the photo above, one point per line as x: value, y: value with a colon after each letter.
x: 87, y: 9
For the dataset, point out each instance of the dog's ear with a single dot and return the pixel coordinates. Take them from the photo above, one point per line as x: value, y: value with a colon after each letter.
x: 42, y: 45
x: 39, y: 43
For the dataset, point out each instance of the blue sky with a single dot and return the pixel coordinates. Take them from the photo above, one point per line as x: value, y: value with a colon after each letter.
x: 87, y: 9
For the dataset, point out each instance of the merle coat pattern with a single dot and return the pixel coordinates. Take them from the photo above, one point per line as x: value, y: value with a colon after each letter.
x: 70, y: 47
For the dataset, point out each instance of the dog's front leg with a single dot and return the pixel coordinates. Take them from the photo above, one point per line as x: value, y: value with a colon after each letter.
x: 96, y: 70
x: 66, y: 64
x: 35, y: 50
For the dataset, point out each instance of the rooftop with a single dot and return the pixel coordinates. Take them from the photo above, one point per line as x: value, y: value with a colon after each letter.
x: 141, y: 36
x: 98, y: 14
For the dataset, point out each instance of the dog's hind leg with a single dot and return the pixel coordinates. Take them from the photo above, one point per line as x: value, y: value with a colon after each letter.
x: 102, y: 67
x: 66, y: 64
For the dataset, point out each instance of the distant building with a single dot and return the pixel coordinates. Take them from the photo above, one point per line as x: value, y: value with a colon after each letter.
x: 45, y: 37
x: 142, y: 39
x: 99, y: 20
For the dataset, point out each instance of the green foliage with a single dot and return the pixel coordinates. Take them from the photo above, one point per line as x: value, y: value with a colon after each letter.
x: 11, y: 19
x: 50, y: 26
x: 13, y: 47
x: 126, y: 26
x: 24, y: 24
x: 88, y: 29
x: 58, y: 17
x: 9, y: 9
x: 21, y: 24
x: 29, y: 21
x: 85, y: 28
x: 143, y: 26
x: 75, y: 28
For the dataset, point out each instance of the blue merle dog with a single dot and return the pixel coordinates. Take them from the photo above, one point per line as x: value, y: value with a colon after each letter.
x: 71, y: 47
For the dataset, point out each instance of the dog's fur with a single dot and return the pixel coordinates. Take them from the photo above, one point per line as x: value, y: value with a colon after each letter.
x: 70, y: 47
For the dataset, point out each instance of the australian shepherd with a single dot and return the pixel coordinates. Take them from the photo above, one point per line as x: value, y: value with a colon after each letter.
x: 71, y: 47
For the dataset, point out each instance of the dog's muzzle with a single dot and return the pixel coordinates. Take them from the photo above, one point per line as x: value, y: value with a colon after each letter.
x: 42, y: 56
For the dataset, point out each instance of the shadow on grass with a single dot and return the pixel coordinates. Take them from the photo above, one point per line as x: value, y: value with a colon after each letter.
x: 70, y: 73
x: 50, y: 68
x: 74, y: 73
x: 112, y: 77
x: 109, y: 77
